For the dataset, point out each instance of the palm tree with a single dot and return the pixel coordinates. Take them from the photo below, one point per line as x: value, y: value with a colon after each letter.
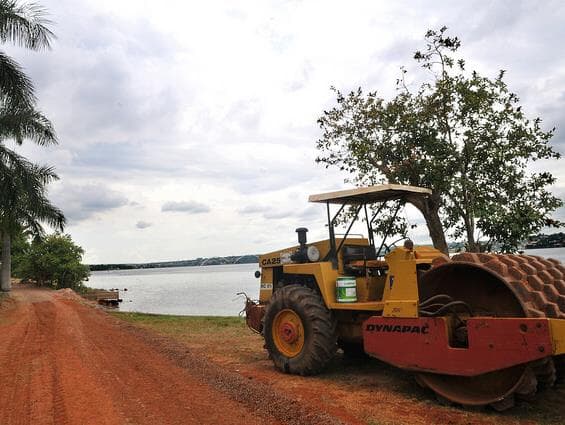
x: 22, y: 184
x: 23, y: 25
x: 23, y: 203
x: 23, y: 200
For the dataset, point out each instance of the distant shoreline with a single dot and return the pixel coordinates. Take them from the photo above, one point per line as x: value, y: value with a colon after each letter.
x: 218, y: 261
x: 554, y: 240
x: 213, y: 261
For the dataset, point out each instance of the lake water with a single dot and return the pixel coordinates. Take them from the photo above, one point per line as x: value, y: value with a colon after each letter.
x: 202, y: 291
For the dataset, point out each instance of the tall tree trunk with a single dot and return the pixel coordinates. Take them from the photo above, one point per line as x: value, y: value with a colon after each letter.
x: 435, y: 229
x: 472, y: 245
x: 6, y: 275
x: 429, y: 207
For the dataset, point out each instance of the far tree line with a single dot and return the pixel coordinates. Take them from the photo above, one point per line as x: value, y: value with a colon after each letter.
x: 208, y: 261
x: 554, y: 240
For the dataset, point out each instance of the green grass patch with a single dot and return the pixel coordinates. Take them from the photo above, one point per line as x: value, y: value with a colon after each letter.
x: 190, y: 325
x: 225, y: 339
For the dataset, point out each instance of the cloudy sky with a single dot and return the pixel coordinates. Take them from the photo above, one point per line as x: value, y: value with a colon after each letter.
x: 188, y: 128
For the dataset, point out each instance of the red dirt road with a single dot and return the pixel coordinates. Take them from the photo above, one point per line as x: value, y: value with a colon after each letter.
x: 63, y: 362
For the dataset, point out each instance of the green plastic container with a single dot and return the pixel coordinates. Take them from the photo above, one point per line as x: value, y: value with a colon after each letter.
x: 346, y: 290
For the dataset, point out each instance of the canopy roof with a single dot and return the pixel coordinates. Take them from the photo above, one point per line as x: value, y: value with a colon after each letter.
x: 371, y: 194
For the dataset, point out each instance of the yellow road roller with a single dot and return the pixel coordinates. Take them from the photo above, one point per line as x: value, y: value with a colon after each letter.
x: 477, y: 329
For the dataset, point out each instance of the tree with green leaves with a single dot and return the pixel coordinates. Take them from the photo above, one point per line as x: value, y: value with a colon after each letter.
x: 23, y: 200
x: 55, y: 261
x: 462, y: 135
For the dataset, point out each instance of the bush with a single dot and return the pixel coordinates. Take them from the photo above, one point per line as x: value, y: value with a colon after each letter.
x: 54, y: 261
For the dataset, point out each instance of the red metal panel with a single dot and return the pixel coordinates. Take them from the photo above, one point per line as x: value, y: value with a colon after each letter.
x: 254, y: 315
x: 422, y: 344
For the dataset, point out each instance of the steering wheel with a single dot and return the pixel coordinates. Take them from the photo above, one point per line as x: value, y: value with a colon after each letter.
x: 394, y: 244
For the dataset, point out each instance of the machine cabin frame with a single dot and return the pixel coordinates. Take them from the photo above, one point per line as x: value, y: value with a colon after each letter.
x: 359, y: 198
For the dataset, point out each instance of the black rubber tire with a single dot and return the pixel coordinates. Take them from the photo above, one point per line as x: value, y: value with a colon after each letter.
x: 320, y: 337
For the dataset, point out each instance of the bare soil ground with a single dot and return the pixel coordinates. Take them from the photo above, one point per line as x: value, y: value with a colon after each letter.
x: 353, y: 391
x: 63, y: 361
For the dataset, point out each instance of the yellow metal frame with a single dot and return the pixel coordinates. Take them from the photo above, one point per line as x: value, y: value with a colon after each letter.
x: 324, y: 274
x: 557, y: 329
x: 266, y: 290
x: 400, y: 295
x: 401, y: 286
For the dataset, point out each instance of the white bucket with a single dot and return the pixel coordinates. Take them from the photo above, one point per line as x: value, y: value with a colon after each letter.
x: 346, y: 290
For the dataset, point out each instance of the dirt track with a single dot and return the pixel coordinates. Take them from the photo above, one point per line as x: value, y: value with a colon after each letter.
x: 62, y: 362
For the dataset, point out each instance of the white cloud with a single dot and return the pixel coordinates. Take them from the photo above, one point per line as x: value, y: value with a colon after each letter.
x: 215, y: 104
x: 82, y: 202
x: 253, y: 209
x: 190, y: 207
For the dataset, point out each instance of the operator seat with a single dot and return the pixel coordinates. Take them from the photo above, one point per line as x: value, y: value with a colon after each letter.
x: 357, y: 258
